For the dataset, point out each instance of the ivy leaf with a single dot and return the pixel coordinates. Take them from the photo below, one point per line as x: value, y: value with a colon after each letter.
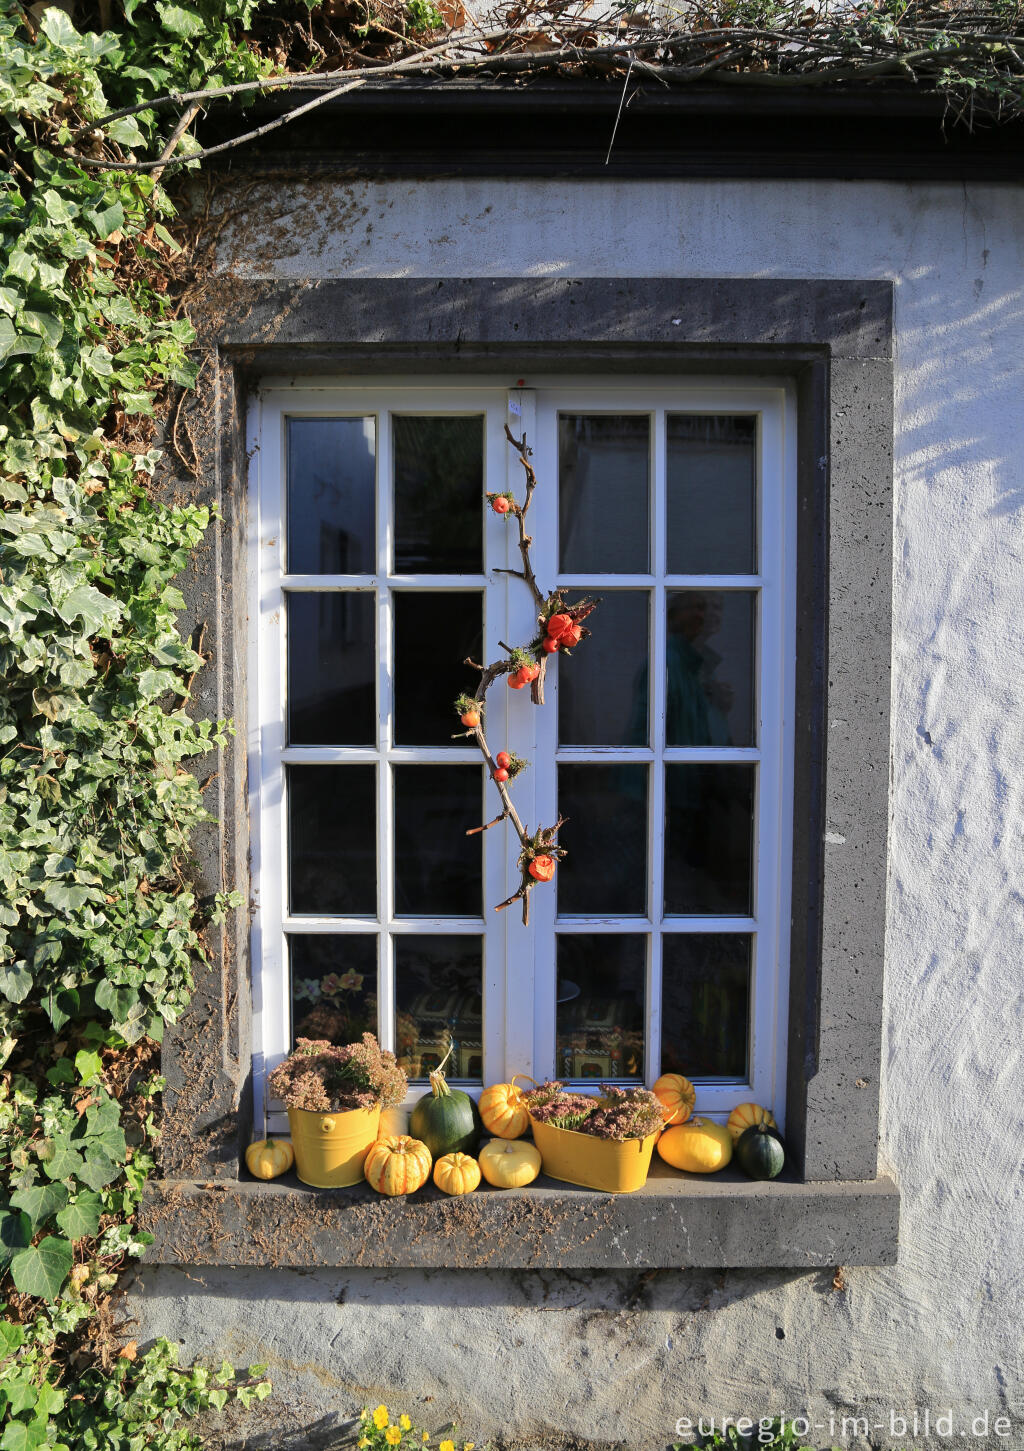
x: 11, y: 1336
x: 106, y: 220
x: 95, y: 610
x: 81, y: 1218
x: 88, y: 1065
x: 49, y: 328
x: 15, y: 1234
x: 98, y: 1170
x: 13, y: 343
x: 64, y: 1161
x: 23, y: 1435
x: 15, y: 982
x: 41, y: 1203
x: 57, y: 28
x: 181, y: 20
x: 42, y: 1269
x: 61, y: 1007
x: 125, y: 132
x: 117, y: 1001
x: 61, y: 1072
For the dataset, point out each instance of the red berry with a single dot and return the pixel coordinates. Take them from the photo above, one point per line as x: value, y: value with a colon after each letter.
x: 514, y: 683
x: 503, y: 759
x: 557, y: 626
x: 471, y: 718
x: 523, y: 675
x: 500, y: 505
x: 501, y: 774
x: 549, y: 646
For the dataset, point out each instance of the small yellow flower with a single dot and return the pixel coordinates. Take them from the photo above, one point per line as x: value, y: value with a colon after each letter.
x: 380, y: 1418
x: 364, y: 1440
x: 426, y: 1437
x: 447, y: 1446
x: 469, y: 1446
x: 404, y: 1422
x: 392, y: 1435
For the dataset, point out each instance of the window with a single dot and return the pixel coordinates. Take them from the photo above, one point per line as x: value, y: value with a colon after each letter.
x: 666, y: 740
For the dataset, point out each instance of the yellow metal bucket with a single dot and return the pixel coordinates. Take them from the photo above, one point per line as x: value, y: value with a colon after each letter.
x: 330, y: 1147
x: 608, y: 1164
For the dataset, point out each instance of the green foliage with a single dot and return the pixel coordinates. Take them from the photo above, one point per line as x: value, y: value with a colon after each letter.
x: 99, y: 934
x: 422, y: 15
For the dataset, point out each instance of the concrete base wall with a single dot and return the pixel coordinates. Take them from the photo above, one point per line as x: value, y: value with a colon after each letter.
x: 613, y: 1359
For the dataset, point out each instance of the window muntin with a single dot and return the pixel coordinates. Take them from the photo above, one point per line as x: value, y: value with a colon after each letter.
x: 671, y: 944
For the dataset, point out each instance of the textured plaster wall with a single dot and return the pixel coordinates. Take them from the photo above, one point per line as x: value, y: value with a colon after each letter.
x: 613, y: 1358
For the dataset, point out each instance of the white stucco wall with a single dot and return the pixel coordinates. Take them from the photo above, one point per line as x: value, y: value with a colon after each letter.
x: 943, y: 1328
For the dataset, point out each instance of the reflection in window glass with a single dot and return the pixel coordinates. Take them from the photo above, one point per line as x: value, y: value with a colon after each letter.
x: 709, y: 826
x: 332, y: 813
x: 332, y: 669
x: 427, y: 677
x: 439, y: 1004
x: 438, y: 868
x: 600, y: 1005
x: 334, y: 986
x: 602, y: 690
x: 705, y: 1004
x: 603, y: 491
x: 605, y: 835
x: 439, y: 503
x: 331, y: 496
x: 712, y: 494
x: 710, y: 664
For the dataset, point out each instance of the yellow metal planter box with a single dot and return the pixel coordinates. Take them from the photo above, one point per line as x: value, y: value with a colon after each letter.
x: 330, y: 1148
x: 616, y: 1166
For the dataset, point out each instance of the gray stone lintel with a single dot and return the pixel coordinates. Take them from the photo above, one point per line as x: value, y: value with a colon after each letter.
x: 676, y: 1222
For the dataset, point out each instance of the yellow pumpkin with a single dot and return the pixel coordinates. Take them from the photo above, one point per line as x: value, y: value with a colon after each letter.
x: 747, y: 1116
x: 457, y: 1173
x: 508, y: 1164
x: 677, y: 1097
x: 397, y: 1165
x: 503, y: 1111
x: 699, y: 1146
x: 269, y: 1157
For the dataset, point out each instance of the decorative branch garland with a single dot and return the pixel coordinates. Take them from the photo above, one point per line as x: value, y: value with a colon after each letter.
x: 561, y: 629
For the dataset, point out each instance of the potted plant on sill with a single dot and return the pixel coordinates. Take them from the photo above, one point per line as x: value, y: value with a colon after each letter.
x: 598, y: 1142
x: 334, y: 1096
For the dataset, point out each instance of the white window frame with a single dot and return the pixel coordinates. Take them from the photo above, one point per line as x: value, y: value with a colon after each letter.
x: 519, y: 1003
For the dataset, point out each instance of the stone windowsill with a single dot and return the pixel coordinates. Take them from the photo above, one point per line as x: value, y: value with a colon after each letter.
x: 723, y: 1221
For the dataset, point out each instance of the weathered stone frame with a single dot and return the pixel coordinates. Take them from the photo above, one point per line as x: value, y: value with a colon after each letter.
x: 833, y: 340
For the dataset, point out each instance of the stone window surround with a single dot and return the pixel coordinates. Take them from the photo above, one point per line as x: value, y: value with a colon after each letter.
x: 833, y: 341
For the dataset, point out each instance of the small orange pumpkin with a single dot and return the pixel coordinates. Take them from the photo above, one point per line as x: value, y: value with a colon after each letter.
x: 747, y: 1116
x: 503, y: 1111
x: 397, y: 1164
x: 457, y: 1173
x: 677, y: 1097
x: 267, y: 1158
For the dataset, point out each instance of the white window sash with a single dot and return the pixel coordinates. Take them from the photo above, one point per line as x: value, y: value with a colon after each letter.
x: 519, y: 974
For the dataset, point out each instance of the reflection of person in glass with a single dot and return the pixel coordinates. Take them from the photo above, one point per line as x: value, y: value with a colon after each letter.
x: 696, y: 702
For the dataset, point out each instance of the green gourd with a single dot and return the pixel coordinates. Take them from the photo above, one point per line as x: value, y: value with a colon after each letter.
x: 760, y: 1152
x: 445, y: 1119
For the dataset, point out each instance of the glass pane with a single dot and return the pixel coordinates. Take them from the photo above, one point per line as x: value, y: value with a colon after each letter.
x: 606, y: 837
x: 705, y: 1004
x: 710, y: 686
x: 332, y: 669
x: 709, y: 831
x: 712, y: 494
x: 438, y: 868
x: 602, y: 690
x: 600, y: 1011
x: 331, y: 495
x: 433, y: 635
x: 438, y: 1001
x: 603, y: 490
x: 334, y: 986
x: 332, y: 811
x: 439, y: 495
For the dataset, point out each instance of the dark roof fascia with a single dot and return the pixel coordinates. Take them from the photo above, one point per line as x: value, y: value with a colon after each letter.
x: 562, y: 128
